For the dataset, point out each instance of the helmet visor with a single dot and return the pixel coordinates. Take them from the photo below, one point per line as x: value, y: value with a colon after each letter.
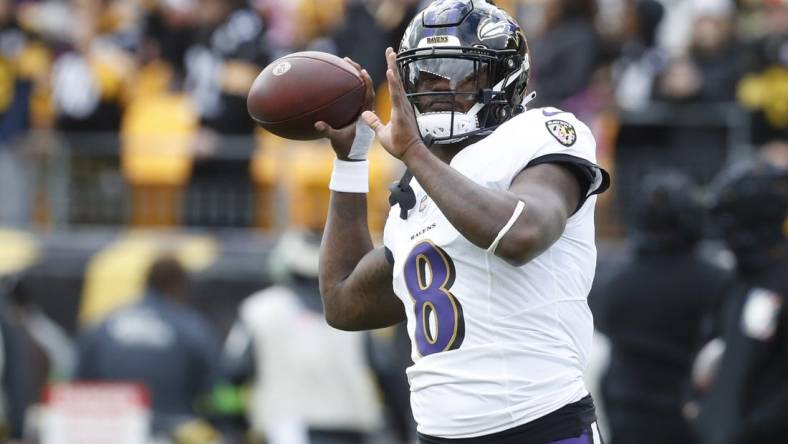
x: 453, y: 82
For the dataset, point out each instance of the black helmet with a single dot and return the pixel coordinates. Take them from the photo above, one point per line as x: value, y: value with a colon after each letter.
x: 669, y: 214
x: 748, y: 205
x: 469, y: 51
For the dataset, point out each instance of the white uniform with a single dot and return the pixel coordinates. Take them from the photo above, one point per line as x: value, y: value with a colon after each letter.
x: 496, y: 346
x: 309, y: 374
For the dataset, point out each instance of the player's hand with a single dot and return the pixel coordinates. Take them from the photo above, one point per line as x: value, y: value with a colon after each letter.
x: 401, y: 134
x: 342, y: 138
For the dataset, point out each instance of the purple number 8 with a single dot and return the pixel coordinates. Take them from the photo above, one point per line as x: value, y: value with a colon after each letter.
x: 429, y: 274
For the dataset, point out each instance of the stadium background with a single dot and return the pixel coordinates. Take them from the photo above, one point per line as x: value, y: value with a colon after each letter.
x: 123, y: 128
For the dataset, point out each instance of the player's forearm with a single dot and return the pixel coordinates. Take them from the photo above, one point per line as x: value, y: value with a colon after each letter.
x: 364, y: 300
x: 345, y: 241
x: 477, y: 212
x: 346, y: 238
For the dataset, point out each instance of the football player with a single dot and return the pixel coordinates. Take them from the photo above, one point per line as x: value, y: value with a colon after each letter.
x: 489, y: 246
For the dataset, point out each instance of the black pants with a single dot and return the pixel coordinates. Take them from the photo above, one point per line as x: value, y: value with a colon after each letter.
x: 318, y: 436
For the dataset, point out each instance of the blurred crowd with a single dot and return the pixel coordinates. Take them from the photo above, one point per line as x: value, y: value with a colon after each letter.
x: 162, y: 87
x: 696, y: 333
x: 693, y: 314
x: 155, y: 90
x: 280, y: 375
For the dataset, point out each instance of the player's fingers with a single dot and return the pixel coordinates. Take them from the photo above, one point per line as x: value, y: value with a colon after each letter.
x: 395, y: 89
x: 372, y: 121
x: 367, y: 81
x: 352, y: 62
x: 396, y: 66
x: 391, y: 60
x: 323, y: 128
x: 369, y: 94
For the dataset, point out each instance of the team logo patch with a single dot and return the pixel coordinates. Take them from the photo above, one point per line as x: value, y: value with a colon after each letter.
x: 281, y: 68
x: 563, y: 132
x: 490, y: 29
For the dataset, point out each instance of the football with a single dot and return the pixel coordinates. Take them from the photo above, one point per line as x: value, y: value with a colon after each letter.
x: 302, y: 88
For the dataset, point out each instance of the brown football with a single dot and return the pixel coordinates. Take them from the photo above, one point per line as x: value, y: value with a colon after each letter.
x: 302, y: 88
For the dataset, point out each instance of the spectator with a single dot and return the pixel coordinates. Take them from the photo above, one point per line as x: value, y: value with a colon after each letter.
x: 380, y: 24
x: 16, y: 381
x: 748, y: 398
x: 228, y: 52
x: 24, y: 64
x: 89, y: 80
x: 761, y: 90
x: 654, y: 309
x: 565, y: 56
x: 641, y: 60
x: 168, y: 32
x: 46, y: 352
x: 311, y: 382
x: 160, y: 342
x: 712, y: 66
x: 159, y: 120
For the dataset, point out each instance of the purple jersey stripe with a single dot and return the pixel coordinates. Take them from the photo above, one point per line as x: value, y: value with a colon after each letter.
x: 585, y: 438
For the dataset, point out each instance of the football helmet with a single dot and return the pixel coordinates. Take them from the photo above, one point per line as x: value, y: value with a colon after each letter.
x: 669, y: 214
x: 749, y: 201
x: 464, y: 66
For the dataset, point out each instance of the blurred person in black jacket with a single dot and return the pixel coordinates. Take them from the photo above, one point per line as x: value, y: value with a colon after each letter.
x: 35, y: 351
x: 228, y: 50
x: 655, y: 309
x: 712, y: 65
x: 641, y: 60
x: 16, y: 381
x: 89, y: 80
x: 747, y: 402
x: 379, y: 24
x: 566, y: 55
x: 160, y: 342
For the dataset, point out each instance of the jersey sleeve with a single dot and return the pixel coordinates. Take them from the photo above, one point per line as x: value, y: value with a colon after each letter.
x: 571, y: 144
x: 544, y: 135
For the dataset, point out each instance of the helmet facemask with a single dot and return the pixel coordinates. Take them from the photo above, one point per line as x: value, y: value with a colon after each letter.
x: 459, y: 91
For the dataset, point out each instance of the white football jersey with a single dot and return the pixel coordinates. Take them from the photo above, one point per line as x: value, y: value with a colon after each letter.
x: 308, y: 374
x: 496, y: 346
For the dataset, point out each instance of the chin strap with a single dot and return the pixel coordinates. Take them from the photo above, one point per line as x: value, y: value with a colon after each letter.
x: 401, y: 191
x: 527, y: 99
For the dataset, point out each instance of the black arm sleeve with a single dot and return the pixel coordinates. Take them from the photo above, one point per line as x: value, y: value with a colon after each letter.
x: 591, y: 178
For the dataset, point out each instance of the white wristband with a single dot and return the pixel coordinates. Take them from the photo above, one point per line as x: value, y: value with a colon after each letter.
x: 363, y: 141
x: 518, y: 210
x: 350, y: 177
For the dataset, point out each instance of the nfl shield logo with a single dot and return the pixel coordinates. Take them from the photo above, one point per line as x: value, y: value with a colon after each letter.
x: 563, y: 132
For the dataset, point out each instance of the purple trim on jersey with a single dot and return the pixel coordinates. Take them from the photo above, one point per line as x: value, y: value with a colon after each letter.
x: 585, y: 438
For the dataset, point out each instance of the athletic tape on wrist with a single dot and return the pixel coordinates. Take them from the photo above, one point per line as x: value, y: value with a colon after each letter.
x: 350, y: 177
x: 518, y: 210
x: 364, y: 137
